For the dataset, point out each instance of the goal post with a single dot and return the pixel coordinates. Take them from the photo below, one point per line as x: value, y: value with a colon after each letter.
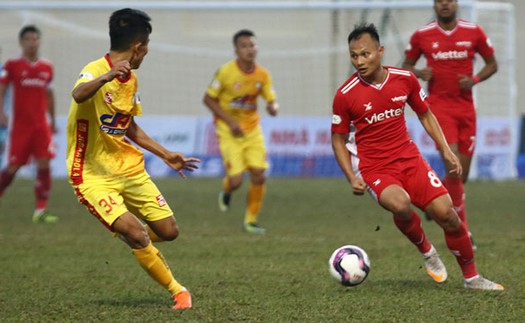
x: 302, y: 43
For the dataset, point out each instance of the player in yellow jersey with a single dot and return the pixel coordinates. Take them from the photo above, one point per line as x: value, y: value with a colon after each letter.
x: 107, y: 172
x: 232, y: 98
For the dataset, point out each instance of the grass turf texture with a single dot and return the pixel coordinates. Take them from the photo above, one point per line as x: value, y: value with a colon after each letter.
x: 76, y: 271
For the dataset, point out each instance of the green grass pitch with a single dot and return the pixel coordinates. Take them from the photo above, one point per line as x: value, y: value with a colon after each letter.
x: 75, y: 271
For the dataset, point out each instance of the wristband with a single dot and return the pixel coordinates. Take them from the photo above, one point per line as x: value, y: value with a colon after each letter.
x: 476, y: 79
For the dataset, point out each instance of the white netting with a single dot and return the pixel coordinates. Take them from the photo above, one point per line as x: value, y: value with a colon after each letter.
x: 304, y: 47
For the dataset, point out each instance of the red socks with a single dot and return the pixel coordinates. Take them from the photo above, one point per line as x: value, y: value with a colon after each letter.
x: 5, y: 180
x: 455, y: 188
x: 42, y: 188
x: 459, y: 244
x: 412, y: 229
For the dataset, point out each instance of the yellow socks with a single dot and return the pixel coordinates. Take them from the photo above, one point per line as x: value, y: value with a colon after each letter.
x: 255, y: 199
x: 155, y: 265
x: 226, y: 185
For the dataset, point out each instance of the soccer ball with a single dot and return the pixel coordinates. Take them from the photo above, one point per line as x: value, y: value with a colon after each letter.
x: 349, y: 265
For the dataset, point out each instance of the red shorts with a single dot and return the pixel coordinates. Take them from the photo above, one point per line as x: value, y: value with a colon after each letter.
x: 457, y: 118
x: 25, y: 143
x: 414, y: 175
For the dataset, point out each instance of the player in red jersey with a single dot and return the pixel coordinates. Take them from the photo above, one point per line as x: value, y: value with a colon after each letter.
x: 449, y: 46
x: 31, y: 133
x: 373, y: 148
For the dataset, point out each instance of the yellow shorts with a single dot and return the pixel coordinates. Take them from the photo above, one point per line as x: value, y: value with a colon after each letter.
x: 241, y: 153
x: 109, y: 199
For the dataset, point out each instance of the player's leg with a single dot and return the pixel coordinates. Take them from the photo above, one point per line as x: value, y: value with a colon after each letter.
x: 255, y: 156
x: 254, y: 201
x: 231, y: 149
x: 43, y: 150
x: 18, y: 156
x: 396, y: 200
x: 6, y: 177
x: 458, y: 242
x: 42, y: 189
x: 143, y: 197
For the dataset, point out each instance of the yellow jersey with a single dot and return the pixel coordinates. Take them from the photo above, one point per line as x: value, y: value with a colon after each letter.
x: 96, y: 128
x: 237, y: 92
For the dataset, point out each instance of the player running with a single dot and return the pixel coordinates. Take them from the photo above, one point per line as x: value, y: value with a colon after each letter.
x: 107, y: 172
x: 232, y: 98
x: 449, y: 46
x: 374, y: 150
x: 31, y: 134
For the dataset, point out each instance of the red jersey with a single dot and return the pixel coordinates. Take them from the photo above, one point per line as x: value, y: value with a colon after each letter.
x: 449, y: 53
x: 374, y: 117
x: 30, y: 83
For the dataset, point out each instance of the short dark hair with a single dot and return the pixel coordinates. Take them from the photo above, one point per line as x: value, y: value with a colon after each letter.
x: 364, y: 28
x: 28, y: 29
x: 242, y: 33
x: 126, y: 26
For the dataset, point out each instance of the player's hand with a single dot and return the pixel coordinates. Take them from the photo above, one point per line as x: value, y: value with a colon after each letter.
x: 358, y: 186
x: 236, y: 129
x: 452, y: 162
x: 426, y: 73
x: 180, y: 163
x: 466, y: 82
x: 119, y: 69
x: 272, y: 108
x: 4, y: 122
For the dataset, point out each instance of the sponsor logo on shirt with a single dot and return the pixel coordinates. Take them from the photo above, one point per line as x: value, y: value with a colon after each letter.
x: 115, y: 124
x: 378, y: 117
x: 402, y: 98
x: 450, y: 55
x: 33, y: 82
x: 464, y: 43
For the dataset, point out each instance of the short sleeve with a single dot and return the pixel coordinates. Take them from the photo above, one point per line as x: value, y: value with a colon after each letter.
x: 413, y: 49
x: 268, y: 91
x: 340, y: 117
x: 484, y: 46
x: 417, y: 99
x: 215, y: 87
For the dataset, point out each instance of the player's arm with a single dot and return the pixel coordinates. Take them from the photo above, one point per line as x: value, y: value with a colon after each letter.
x: 429, y: 122
x: 466, y: 82
x: 51, y: 108
x: 215, y: 108
x: 84, y: 91
x: 3, y: 117
x: 343, y: 159
x: 175, y: 160
x: 410, y: 64
x: 269, y: 95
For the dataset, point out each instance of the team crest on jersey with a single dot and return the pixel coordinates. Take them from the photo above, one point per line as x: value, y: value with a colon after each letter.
x: 435, y: 44
x: 108, y: 97
x: 161, y: 201
x: 237, y: 86
x: 258, y: 85
x: 368, y: 106
x: 44, y: 75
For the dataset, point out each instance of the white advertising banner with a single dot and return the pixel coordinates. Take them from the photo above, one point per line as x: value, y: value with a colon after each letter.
x: 292, y: 139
